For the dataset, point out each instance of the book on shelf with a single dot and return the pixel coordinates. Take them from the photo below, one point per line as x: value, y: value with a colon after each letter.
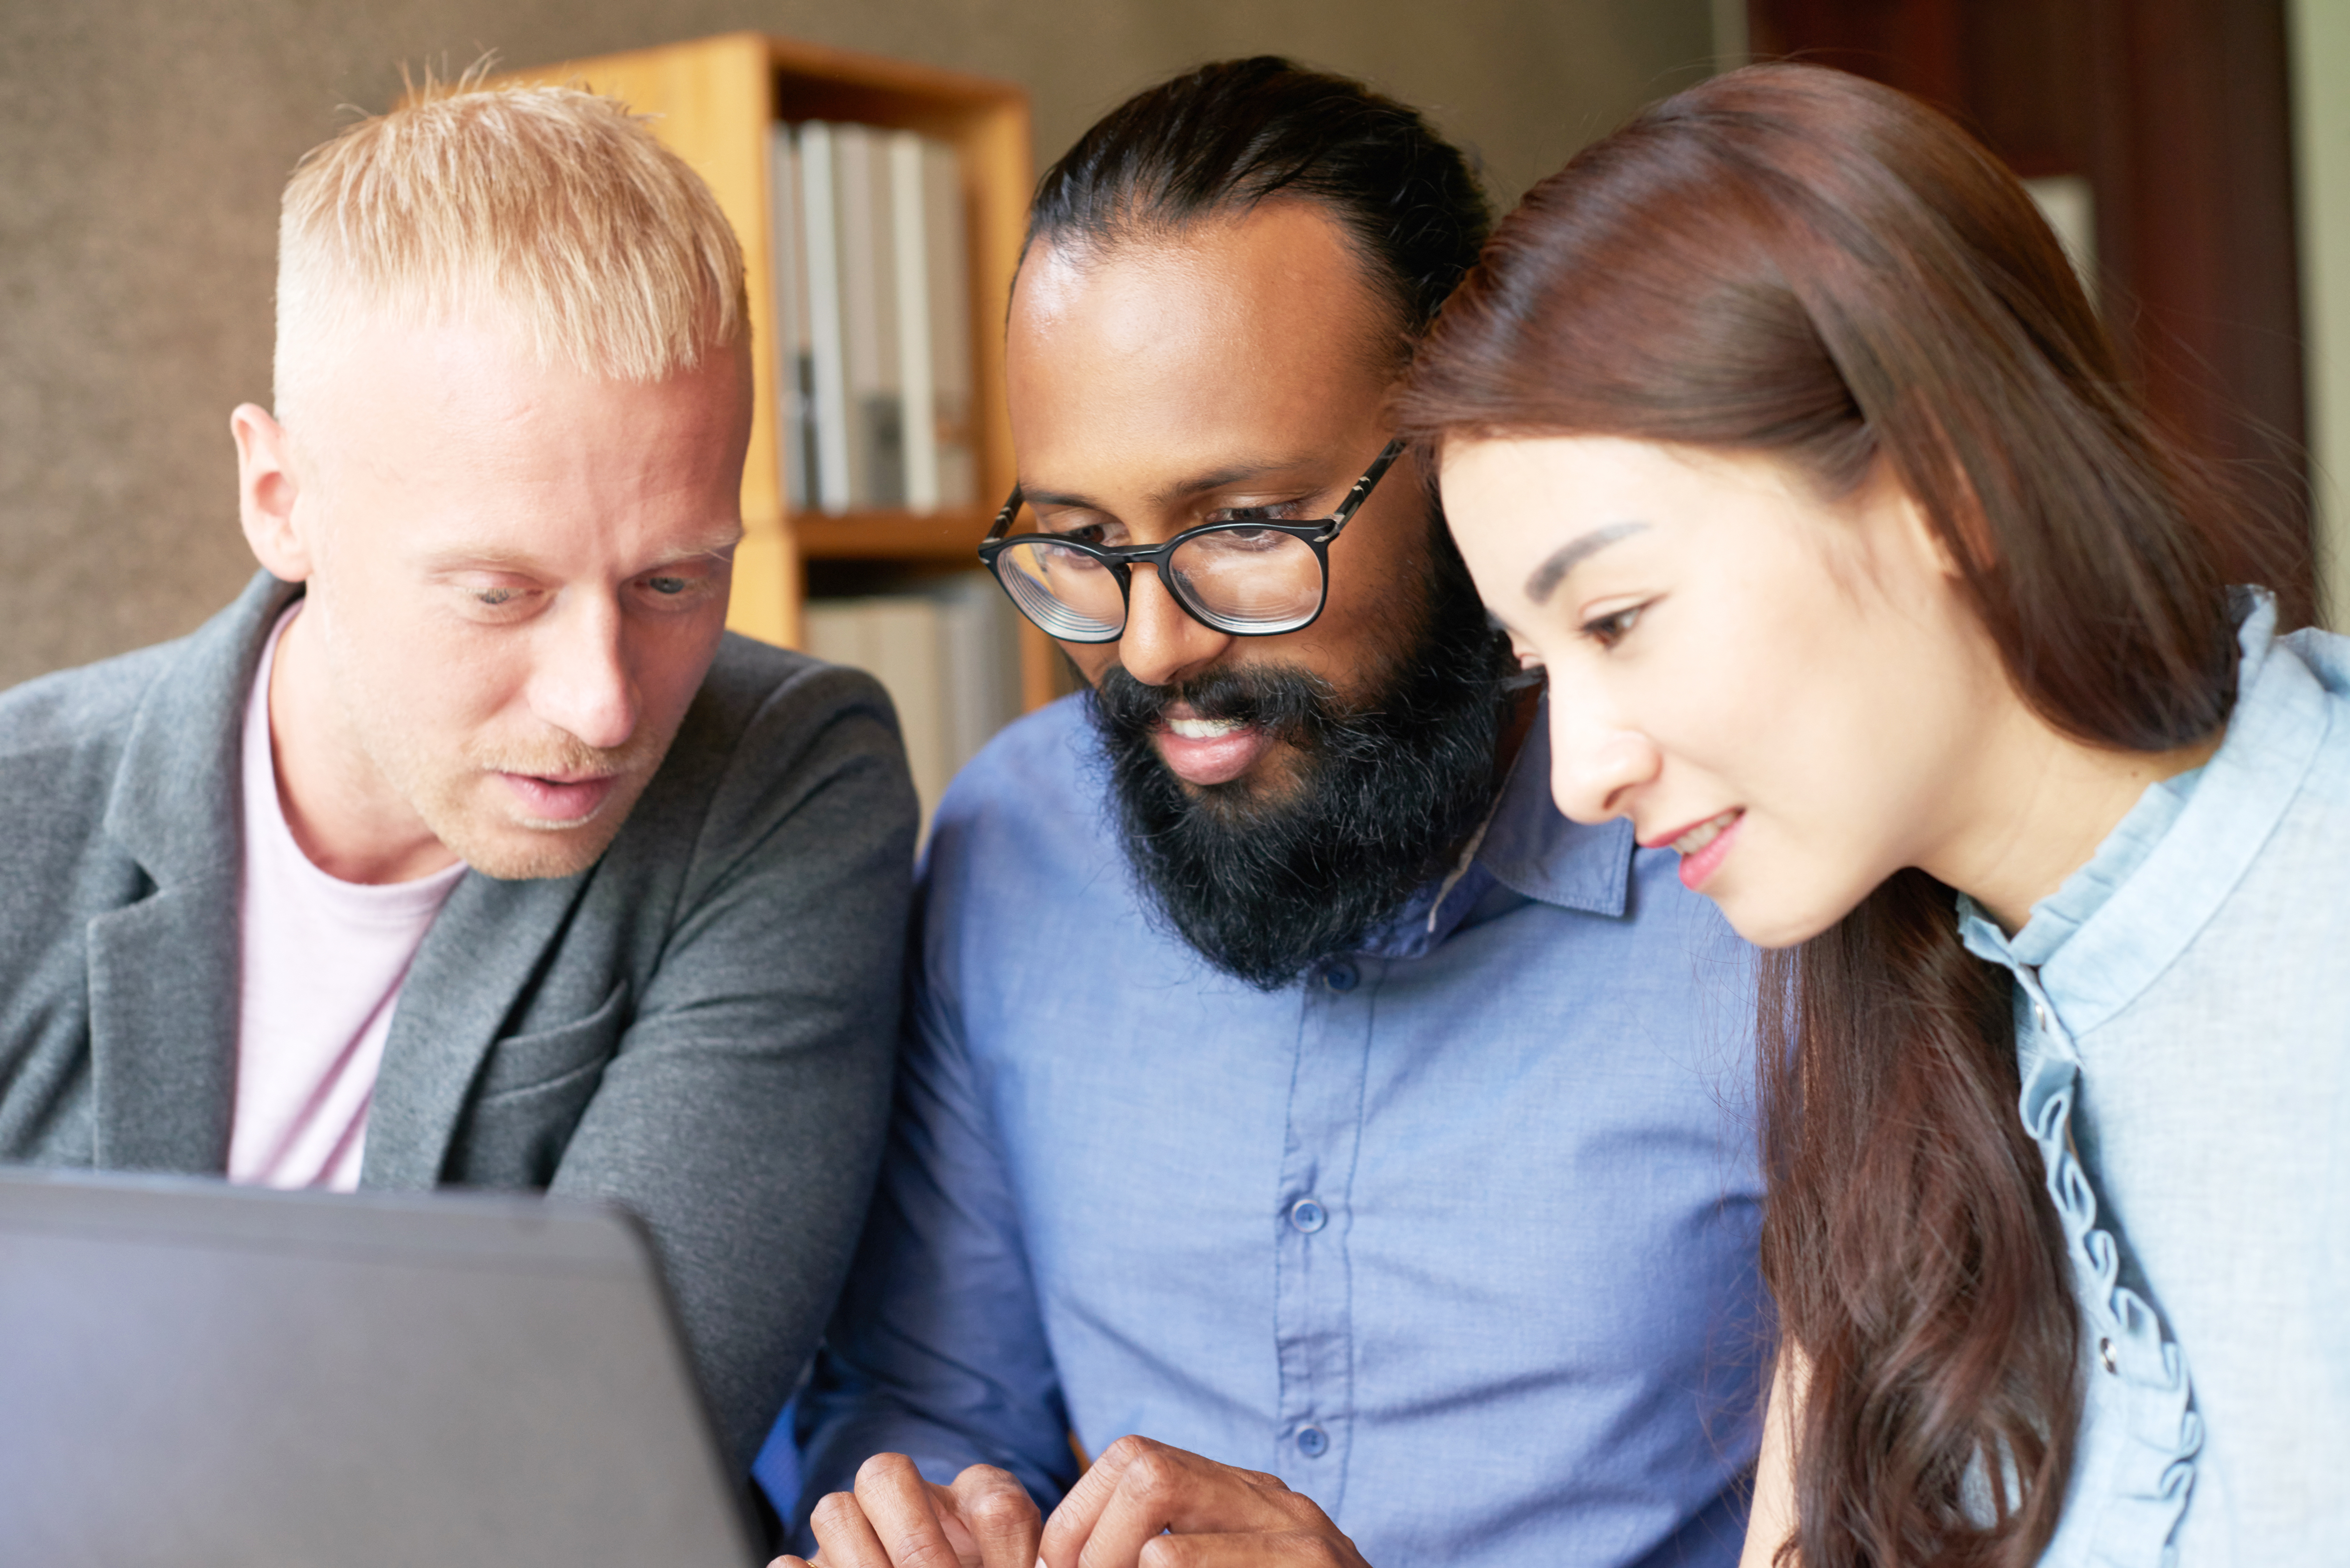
x: 873, y: 306
x: 947, y: 651
x: 868, y: 321
x: 795, y: 361
x: 934, y: 316
x: 818, y: 260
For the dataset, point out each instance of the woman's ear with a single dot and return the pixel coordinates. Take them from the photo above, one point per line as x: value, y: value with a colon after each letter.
x: 267, y: 487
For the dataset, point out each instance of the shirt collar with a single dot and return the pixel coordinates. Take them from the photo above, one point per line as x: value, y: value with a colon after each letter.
x: 1536, y: 851
x: 1528, y: 846
x: 2165, y: 872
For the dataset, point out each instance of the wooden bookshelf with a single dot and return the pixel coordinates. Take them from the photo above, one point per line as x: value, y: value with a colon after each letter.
x: 714, y: 102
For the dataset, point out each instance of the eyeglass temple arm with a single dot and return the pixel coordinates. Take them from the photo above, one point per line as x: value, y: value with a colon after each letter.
x: 1338, y: 519
x: 1004, y: 519
x: 1363, y: 488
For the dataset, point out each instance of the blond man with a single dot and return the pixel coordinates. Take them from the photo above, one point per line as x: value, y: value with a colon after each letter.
x: 466, y: 848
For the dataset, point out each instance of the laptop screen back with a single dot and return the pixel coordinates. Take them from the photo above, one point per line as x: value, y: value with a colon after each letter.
x: 196, y: 1375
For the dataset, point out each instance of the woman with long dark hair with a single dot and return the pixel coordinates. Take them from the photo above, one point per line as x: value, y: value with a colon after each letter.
x: 1778, y: 429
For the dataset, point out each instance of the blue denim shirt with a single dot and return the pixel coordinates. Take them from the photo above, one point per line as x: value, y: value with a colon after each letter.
x: 2183, y: 1032
x: 1456, y: 1235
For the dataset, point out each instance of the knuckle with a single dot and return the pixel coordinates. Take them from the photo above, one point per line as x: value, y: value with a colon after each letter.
x: 1126, y: 1451
x: 980, y: 1480
x: 1002, y: 1506
x: 833, y: 1511
x: 882, y: 1469
x: 922, y: 1551
x: 1153, y: 1476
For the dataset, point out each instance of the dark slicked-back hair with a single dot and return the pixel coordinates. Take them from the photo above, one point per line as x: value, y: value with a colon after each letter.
x: 1220, y: 138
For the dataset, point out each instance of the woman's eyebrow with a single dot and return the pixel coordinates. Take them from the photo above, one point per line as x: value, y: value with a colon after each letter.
x: 1544, y: 579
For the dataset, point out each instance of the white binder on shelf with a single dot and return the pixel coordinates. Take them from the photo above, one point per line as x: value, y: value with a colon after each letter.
x: 820, y: 254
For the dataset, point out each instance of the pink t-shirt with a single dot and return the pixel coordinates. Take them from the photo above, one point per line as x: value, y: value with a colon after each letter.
x: 321, y: 972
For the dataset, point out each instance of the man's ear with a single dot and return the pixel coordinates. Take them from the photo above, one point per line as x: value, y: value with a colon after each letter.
x: 266, y: 490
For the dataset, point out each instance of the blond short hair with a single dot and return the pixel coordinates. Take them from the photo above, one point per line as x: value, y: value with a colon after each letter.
x: 551, y: 208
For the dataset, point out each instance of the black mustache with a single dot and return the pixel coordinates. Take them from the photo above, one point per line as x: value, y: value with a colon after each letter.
x: 1386, y: 785
x: 1291, y: 703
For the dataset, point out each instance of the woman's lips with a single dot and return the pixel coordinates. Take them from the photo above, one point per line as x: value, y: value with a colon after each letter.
x: 1703, y: 846
x: 561, y: 801
x: 1205, y: 752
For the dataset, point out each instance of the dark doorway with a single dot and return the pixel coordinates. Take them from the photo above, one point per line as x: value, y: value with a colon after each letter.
x: 2176, y: 114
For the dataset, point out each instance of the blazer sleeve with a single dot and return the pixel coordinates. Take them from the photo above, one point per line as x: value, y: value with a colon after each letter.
x: 744, y: 1113
x: 938, y: 1350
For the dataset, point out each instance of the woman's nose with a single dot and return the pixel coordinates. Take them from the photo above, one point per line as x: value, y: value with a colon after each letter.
x: 1594, y: 768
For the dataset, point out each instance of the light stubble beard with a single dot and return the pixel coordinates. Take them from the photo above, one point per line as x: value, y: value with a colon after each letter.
x: 449, y: 798
x: 451, y: 802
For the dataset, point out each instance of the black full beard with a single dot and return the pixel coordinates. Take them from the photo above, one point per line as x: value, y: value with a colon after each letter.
x: 1387, y: 792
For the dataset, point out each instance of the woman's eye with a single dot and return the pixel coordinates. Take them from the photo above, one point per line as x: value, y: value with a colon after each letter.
x: 1607, y: 630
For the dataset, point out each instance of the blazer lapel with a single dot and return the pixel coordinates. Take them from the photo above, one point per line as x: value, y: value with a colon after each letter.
x: 163, y: 972
x: 162, y: 1029
x: 484, y: 954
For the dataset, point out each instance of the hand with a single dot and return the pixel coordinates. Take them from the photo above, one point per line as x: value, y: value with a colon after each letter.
x: 895, y: 1519
x: 1221, y: 1517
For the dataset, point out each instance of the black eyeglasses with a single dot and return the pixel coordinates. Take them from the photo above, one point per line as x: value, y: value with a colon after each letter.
x: 1249, y: 577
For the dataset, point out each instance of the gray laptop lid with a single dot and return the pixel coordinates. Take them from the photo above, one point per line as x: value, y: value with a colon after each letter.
x: 196, y: 1375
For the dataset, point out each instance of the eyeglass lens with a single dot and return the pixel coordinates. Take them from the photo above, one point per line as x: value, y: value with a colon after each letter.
x: 1250, y: 580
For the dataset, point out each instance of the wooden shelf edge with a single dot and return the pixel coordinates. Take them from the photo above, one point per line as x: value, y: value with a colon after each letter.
x: 802, y: 58
x: 893, y: 535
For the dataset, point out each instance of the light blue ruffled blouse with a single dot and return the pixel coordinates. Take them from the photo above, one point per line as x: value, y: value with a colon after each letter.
x: 2183, y: 1033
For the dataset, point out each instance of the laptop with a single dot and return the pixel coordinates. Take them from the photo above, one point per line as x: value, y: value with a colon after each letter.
x: 212, y: 1377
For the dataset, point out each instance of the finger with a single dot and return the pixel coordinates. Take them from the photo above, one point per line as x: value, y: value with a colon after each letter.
x: 1080, y: 1510
x: 844, y: 1537
x: 999, y: 1515
x: 1159, y: 1488
x: 904, y: 1513
x: 1072, y: 1521
x: 1257, y: 1549
x: 788, y: 1561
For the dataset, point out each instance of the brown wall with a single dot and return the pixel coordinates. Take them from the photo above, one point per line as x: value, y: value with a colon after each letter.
x: 143, y: 142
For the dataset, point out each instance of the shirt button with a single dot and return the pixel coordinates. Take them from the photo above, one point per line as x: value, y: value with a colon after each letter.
x: 2039, y: 1016
x: 1340, y: 977
x: 1313, y: 1442
x: 2105, y: 1355
x: 1308, y: 1216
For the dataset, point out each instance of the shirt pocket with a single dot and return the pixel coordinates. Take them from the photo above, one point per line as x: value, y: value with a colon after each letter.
x: 529, y: 1098
x: 547, y: 1059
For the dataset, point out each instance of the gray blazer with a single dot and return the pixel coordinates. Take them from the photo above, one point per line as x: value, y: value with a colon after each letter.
x: 698, y: 1026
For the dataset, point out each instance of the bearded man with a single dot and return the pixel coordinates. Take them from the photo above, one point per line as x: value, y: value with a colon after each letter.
x: 1286, y: 1085
x: 466, y: 848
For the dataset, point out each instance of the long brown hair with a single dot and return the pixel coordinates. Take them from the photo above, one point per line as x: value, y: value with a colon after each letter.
x: 1792, y: 260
